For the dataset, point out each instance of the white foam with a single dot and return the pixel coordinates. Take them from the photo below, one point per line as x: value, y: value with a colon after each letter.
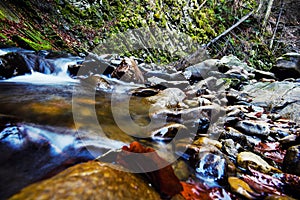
x: 2, y: 52
x: 39, y: 78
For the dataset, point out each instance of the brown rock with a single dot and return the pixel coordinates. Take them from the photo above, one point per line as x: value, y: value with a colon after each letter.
x: 91, y: 180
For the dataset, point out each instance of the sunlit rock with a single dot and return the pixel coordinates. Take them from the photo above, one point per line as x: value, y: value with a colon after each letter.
x: 249, y: 159
x: 90, y: 180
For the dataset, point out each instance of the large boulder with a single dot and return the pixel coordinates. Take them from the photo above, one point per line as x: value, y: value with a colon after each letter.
x: 282, y: 97
x: 287, y: 66
x: 90, y: 180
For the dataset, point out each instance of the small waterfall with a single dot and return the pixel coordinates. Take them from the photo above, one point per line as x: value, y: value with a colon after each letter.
x: 2, y: 52
x: 37, y: 67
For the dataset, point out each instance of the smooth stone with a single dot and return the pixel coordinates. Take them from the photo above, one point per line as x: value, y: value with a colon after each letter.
x: 248, y: 159
x: 253, y: 128
x: 185, y: 115
x: 236, y: 113
x: 168, y: 98
x: 203, y: 141
x: 90, y: 180
x: 200, y: 71
x: 291, y: 162
x: 241, y: 187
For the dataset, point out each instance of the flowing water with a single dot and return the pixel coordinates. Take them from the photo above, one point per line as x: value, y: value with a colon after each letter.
x: 41, y: 128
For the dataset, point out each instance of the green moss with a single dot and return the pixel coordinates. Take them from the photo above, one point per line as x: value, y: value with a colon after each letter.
x: 26, y: 43
x: 2, y: 16
x: 3, y: 36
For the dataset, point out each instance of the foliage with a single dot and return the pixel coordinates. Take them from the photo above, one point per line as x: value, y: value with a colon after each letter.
x: 82, y: 25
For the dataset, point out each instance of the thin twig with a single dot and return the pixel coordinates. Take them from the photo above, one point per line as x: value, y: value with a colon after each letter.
x: 202, y: 4
x: 277, y: 23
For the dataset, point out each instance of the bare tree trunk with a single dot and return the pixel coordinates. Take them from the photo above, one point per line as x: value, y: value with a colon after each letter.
x: 267, y: 15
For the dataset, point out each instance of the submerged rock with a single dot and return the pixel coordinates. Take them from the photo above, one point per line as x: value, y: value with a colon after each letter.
x: 90, y: 180
x: 211, y: 167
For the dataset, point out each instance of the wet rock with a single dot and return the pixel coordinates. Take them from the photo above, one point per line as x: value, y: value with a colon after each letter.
x: 234, y: 67
x: 264, y: 75
x: 228, y: 62
x: 291, y: 163
x: 290, y: 111
x: 13, y: 64
x: 203, y: 141
x: 287, y: 66
x: 277, y: 197
x: 239, y: 73
x: 281, y: 97
x: 211, y: 167
x: 90, y: 180
x: 237, y: 137
x: 29, y: 154
x: 253, y: 128
x: 181, y: 170
x: 203, y: 125
x: 32, y: 153
x: 168, y: 84
x: 241, y: 187
x: 167, y: 132
x: 233, y: 96
x: 168, y: 98
x: 231, y: 148
x: 128, y: 71
x: 145, y: 92
x: 249, y: 159
x: 98, y: 82
x: 200, y: 71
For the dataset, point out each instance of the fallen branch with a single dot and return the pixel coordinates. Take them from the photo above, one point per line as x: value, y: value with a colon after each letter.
x: 277, y: 23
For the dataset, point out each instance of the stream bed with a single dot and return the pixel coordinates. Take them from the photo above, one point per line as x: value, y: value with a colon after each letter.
x: 229, y: 131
